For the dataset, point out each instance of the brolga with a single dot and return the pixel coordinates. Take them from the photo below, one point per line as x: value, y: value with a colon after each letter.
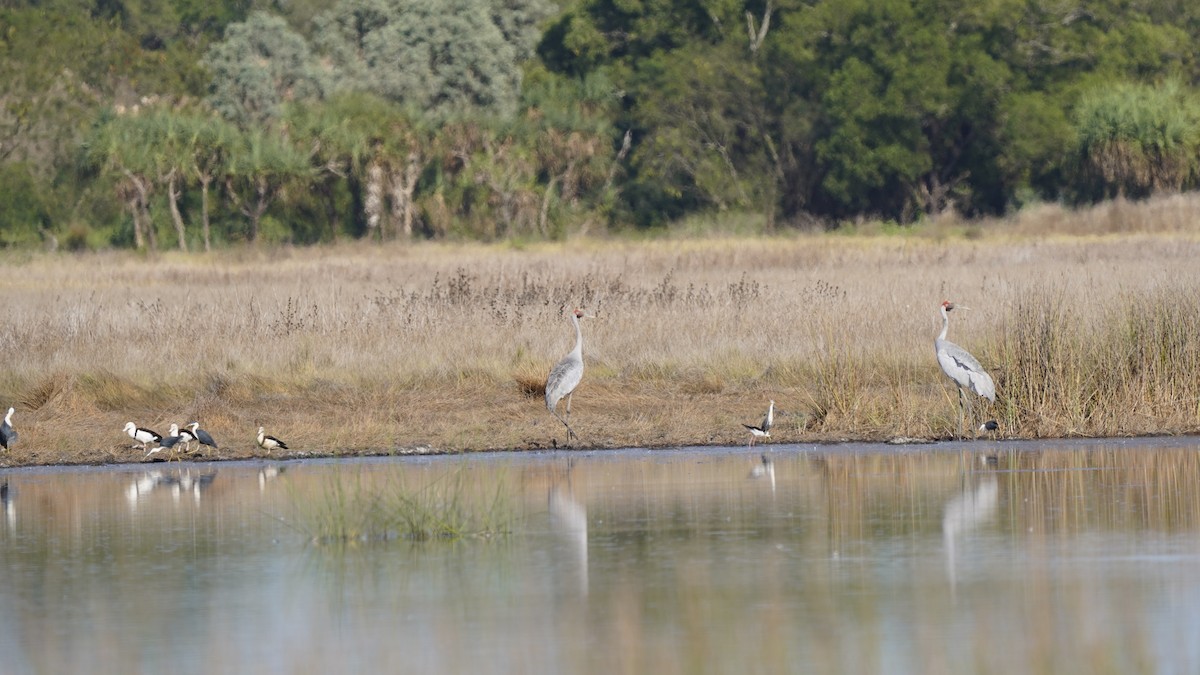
x: 763, y: 430
x: 960, y: 366
x: 7, y: 435
x: 269, y: 443
x: 565, y: 376
x: 202, y: 435
x: 142, y: 435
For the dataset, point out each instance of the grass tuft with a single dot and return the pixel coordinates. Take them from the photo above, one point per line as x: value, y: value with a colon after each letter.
x: 358, y: 507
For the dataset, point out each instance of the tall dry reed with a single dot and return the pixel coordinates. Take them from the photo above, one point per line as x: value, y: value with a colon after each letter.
x: 444, y: 346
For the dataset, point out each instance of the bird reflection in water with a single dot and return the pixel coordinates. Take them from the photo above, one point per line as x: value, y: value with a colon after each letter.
x: 177, y: 483
x: 10, y: 508
x: 268, y: 473
x: 965, y: 513
x: 764, y: 469
x: 568, y: 518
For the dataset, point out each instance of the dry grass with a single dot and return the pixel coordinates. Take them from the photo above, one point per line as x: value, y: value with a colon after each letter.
x: 384, y: 349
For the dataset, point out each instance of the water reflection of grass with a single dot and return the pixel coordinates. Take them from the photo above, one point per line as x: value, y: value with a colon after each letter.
x: 366, y: 506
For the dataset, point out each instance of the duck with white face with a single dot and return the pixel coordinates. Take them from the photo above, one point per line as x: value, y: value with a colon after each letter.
x: 142, y: 435
x: 269, y: 443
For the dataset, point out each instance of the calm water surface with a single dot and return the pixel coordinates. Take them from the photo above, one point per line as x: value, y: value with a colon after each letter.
x: 1015, y: 557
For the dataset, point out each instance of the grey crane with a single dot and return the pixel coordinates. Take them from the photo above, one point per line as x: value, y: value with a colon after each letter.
x: 142, y: 435
x: 960, y: 366
x: 202, y: 435
x: 763, y: 430
x: 269, y: 443
x: 7, y: 435
x: 565, y: 376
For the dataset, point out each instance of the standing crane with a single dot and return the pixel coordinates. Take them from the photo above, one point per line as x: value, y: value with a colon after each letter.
x: 960, y: 366
x: 763, y: 429
x: 565, y: 376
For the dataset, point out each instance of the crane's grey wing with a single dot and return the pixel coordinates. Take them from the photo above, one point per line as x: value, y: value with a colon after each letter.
x: 966, y: 370
x: 205, y: 438
x: 7, y: 436
x: 767, y: 422
x: 169, y: 442
x: 563, y: 378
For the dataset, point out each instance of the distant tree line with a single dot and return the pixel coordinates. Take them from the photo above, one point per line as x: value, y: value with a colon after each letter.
x: 189, y: 124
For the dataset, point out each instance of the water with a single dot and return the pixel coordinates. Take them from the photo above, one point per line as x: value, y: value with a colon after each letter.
x: 1051, y: 557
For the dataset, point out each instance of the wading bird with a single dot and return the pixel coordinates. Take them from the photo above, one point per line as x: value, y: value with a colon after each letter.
x: 142, y: 435
x: 764, y: 428
x: 565, y: 376
x: 202, y: 435
x: 169, y: 441
x: 7, y: 435
x: 960, y: 366
x: 185, y: 436
x: 269, y: 443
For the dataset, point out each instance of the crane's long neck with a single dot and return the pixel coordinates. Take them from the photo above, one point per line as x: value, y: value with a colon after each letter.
x: 8, y: 417
x: 578, y: 351
x: 945, y: 324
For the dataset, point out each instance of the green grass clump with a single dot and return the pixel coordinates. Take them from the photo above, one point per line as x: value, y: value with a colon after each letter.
x: 358, y: 507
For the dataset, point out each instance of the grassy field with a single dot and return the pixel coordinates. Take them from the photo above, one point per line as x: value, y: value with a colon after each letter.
x: 1088, y: 321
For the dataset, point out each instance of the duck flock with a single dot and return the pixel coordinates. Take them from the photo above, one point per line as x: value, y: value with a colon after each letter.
x: 190, y: 433
x: 958, y: 364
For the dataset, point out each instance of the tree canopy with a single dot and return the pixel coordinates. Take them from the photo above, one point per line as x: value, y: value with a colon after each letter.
x: 142, y: 121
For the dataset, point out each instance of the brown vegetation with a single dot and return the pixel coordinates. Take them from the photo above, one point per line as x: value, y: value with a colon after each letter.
x: 442, y: 347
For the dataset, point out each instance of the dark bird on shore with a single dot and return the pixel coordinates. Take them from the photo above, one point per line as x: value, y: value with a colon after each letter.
x: 269, y: 443
x: 763, y: 430
x: 7, y: 435
x: 960, y: 366
x: 142, y: 435
x: 169, y: 441
x: 565, y: 376
x: 202, y: 435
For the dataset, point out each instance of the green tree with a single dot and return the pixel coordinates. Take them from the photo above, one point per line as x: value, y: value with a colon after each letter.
x: 1136, y: 139
x: 261, y: 165
x: 260, y: 65
x: 118, y: 146
x: 438, y: 57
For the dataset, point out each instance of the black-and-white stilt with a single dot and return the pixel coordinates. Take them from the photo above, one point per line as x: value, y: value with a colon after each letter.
x: 7, y: 435
x: 763, y: 430
x: 269, y: 443
x: 142, y: 435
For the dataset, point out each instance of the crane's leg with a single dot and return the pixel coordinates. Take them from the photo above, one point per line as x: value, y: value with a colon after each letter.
x: 570, y: 432
x: 962, y: 403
